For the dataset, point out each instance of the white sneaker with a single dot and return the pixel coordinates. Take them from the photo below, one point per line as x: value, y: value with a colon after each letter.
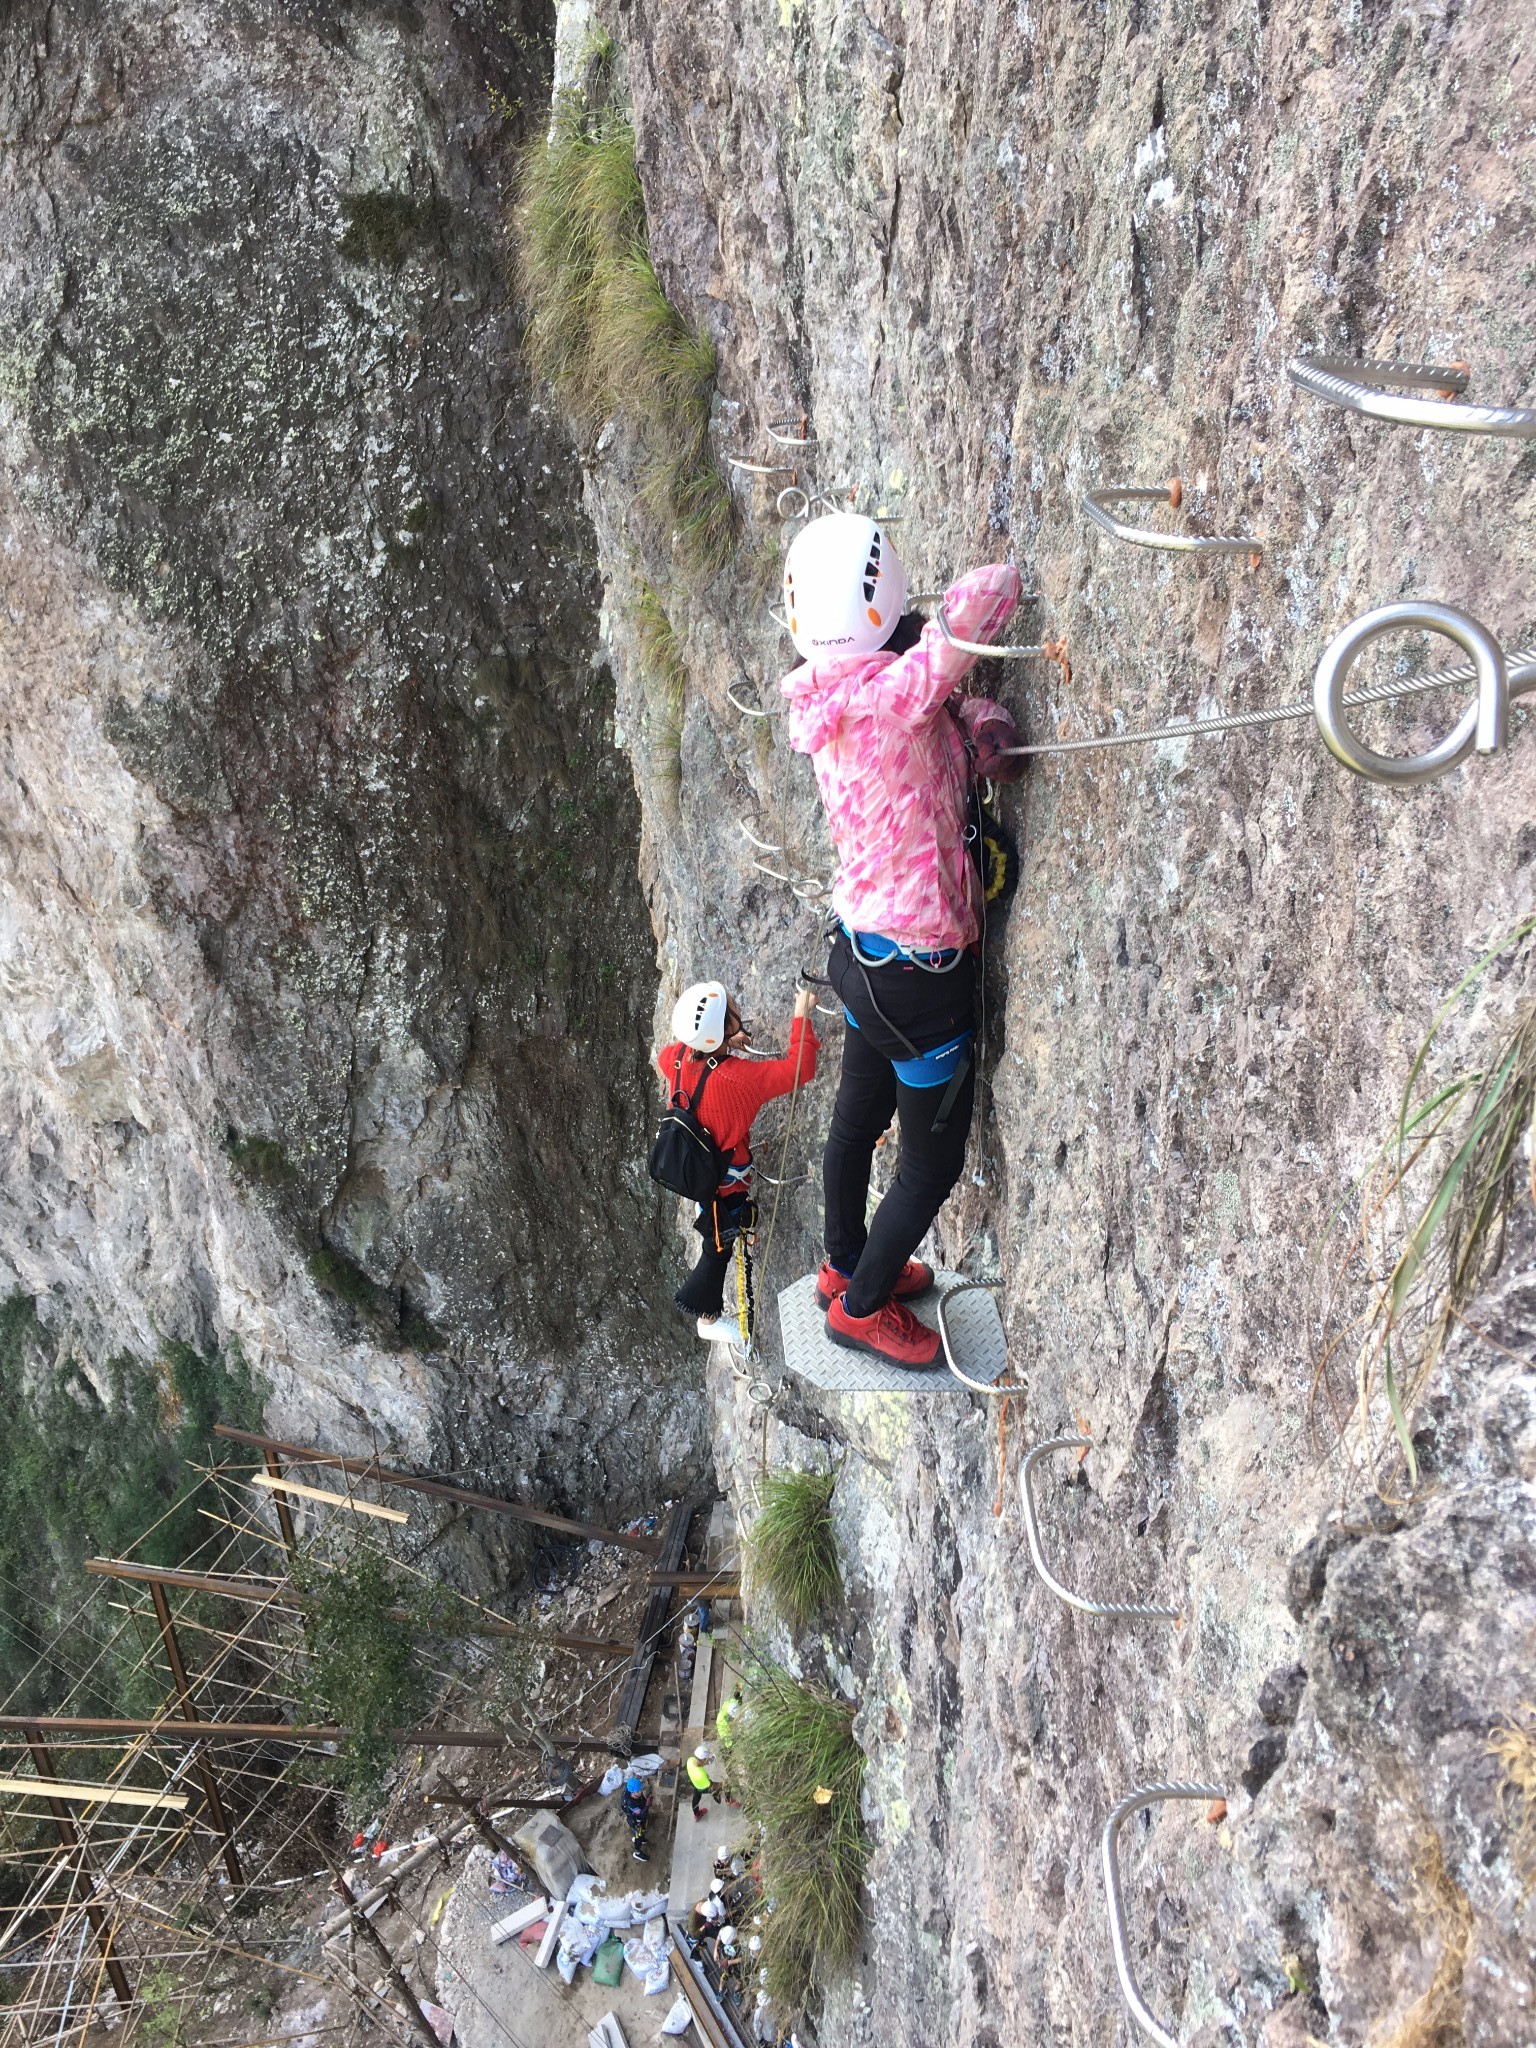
x: 720, y: 1329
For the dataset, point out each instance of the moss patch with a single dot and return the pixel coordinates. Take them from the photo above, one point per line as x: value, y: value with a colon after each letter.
x: 386, y: 227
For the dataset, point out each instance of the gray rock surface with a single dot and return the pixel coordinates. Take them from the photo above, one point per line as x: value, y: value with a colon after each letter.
x: 321, y: 934
x: 1000, y: 256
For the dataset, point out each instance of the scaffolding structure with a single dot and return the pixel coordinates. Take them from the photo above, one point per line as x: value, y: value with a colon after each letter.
x: 156, y: 1856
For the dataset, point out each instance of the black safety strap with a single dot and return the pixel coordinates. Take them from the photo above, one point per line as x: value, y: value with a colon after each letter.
x: 951, y: 1094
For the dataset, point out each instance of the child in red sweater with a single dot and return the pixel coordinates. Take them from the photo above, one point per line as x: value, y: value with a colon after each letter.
x: 709, y: 1040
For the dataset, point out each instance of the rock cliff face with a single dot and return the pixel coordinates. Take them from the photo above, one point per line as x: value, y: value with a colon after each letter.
x: 1001, y: 255
x: 326, y: 976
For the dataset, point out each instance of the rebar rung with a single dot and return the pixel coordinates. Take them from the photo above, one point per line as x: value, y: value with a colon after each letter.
x: 1095, y: 503
x: 1107, y: 1611
x: 1133, y: 1802
x: 1371, y: 388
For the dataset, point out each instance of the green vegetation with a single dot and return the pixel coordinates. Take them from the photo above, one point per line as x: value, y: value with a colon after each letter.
x: 160, y: 2000
x: 362, y: 1667
x: 602, y: 330
x: 1452, y: 1166
x: 384, y: 227
x: 262, y: 1161
x: 801, y: 1774
x: 344, y: 1280
x: 94, y: 1462
x: 666, y: 678
x: 791, y: 1550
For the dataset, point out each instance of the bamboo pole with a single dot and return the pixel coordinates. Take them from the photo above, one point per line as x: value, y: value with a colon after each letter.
x: 329, y: 1499
x: 386, y: 1475
x: 71, y: 1840
x: 205, y: 1770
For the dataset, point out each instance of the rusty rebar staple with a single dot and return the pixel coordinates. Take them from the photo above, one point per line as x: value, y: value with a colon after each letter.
x: 1372, y: 388
x: 1096, y: 504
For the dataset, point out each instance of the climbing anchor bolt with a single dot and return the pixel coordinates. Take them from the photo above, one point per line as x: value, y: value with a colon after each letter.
x: 1382, y: 391
x: 1484, y: 725
x: 1096, y: 503
x: 1108, y: 1611
x: 1133, y: 1802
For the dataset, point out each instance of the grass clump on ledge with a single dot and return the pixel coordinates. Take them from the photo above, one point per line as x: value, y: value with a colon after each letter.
x: 666, y: 678
x: 602, y: 330
x: 801, y: 1777
x: 791, y: 1550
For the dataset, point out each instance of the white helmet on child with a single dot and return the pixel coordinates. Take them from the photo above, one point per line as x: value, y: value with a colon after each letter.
x: 844, y: 586
x: 698, y: 1016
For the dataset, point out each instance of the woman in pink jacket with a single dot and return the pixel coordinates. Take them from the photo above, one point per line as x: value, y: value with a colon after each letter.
x: 872, y: 705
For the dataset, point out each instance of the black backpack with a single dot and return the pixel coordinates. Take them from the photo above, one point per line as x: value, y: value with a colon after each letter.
x: 684, y: 1157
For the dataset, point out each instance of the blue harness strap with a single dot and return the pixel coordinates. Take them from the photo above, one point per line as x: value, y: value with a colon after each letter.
x: 930, y: 1069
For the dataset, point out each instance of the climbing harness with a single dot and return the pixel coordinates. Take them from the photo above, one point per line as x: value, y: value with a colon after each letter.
x: 1133, y: 1802
x: 1379, y: 391
x: 1096, y: 504
x: 943, y: 1308
x: 1106, y: 1610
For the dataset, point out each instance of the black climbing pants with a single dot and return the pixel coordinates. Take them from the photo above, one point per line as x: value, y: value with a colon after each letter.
x: 719, y: 1223
x: 928, y: 1010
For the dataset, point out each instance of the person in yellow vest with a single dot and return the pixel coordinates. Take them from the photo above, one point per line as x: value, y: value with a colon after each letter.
x: 729, y: 1710
x: 700, y: 1782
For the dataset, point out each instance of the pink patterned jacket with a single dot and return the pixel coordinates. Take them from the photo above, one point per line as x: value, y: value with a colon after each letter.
x: 892, y: 768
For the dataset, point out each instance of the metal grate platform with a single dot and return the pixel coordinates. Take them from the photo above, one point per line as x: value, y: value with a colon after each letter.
x: 975, y: 1327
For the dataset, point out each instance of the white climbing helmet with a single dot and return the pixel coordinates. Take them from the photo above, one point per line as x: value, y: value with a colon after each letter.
x: 844, y: 586
x: 698, y: 1016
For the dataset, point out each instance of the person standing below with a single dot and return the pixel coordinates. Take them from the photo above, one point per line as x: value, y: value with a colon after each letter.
x: 700, y: 1782
x: 873, y: 705
x: 635, y: 1805
x: 706, y: 1066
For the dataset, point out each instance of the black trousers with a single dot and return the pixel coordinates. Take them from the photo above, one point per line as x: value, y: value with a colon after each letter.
x: 719, y: 1223
x: 928, y: 1010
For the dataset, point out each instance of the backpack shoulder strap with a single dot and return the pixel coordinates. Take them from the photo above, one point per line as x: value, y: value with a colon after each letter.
x: 691, y: 1104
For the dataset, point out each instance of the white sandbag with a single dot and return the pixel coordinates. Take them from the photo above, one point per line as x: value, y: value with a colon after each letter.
x: 679, y: 2016
x: 516, y: 1922
x: 646, y: 1905
x: 565, y: 1963
x: 586, y: 1886
x: 645, y: 1766
x: 658, y: 1978
x: 656, y: 1931
x: 551, y: 1935
x: 613, y: 1778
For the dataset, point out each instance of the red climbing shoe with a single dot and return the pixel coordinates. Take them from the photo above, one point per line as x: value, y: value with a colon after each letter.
x: 892, y: 1333
x: 914, y: 1279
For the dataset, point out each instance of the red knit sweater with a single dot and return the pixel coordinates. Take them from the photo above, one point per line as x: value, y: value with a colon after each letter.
x: 739, y: 1087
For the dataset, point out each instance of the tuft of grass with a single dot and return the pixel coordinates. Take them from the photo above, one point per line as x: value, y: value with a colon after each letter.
x: 791, y: 1550
x: 1434, y: 1206
x: 1437, y: 2018
x: 794, y: 1742
x: 666, y: 679
x: 1514, y: 1744
x: 602, y: 330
